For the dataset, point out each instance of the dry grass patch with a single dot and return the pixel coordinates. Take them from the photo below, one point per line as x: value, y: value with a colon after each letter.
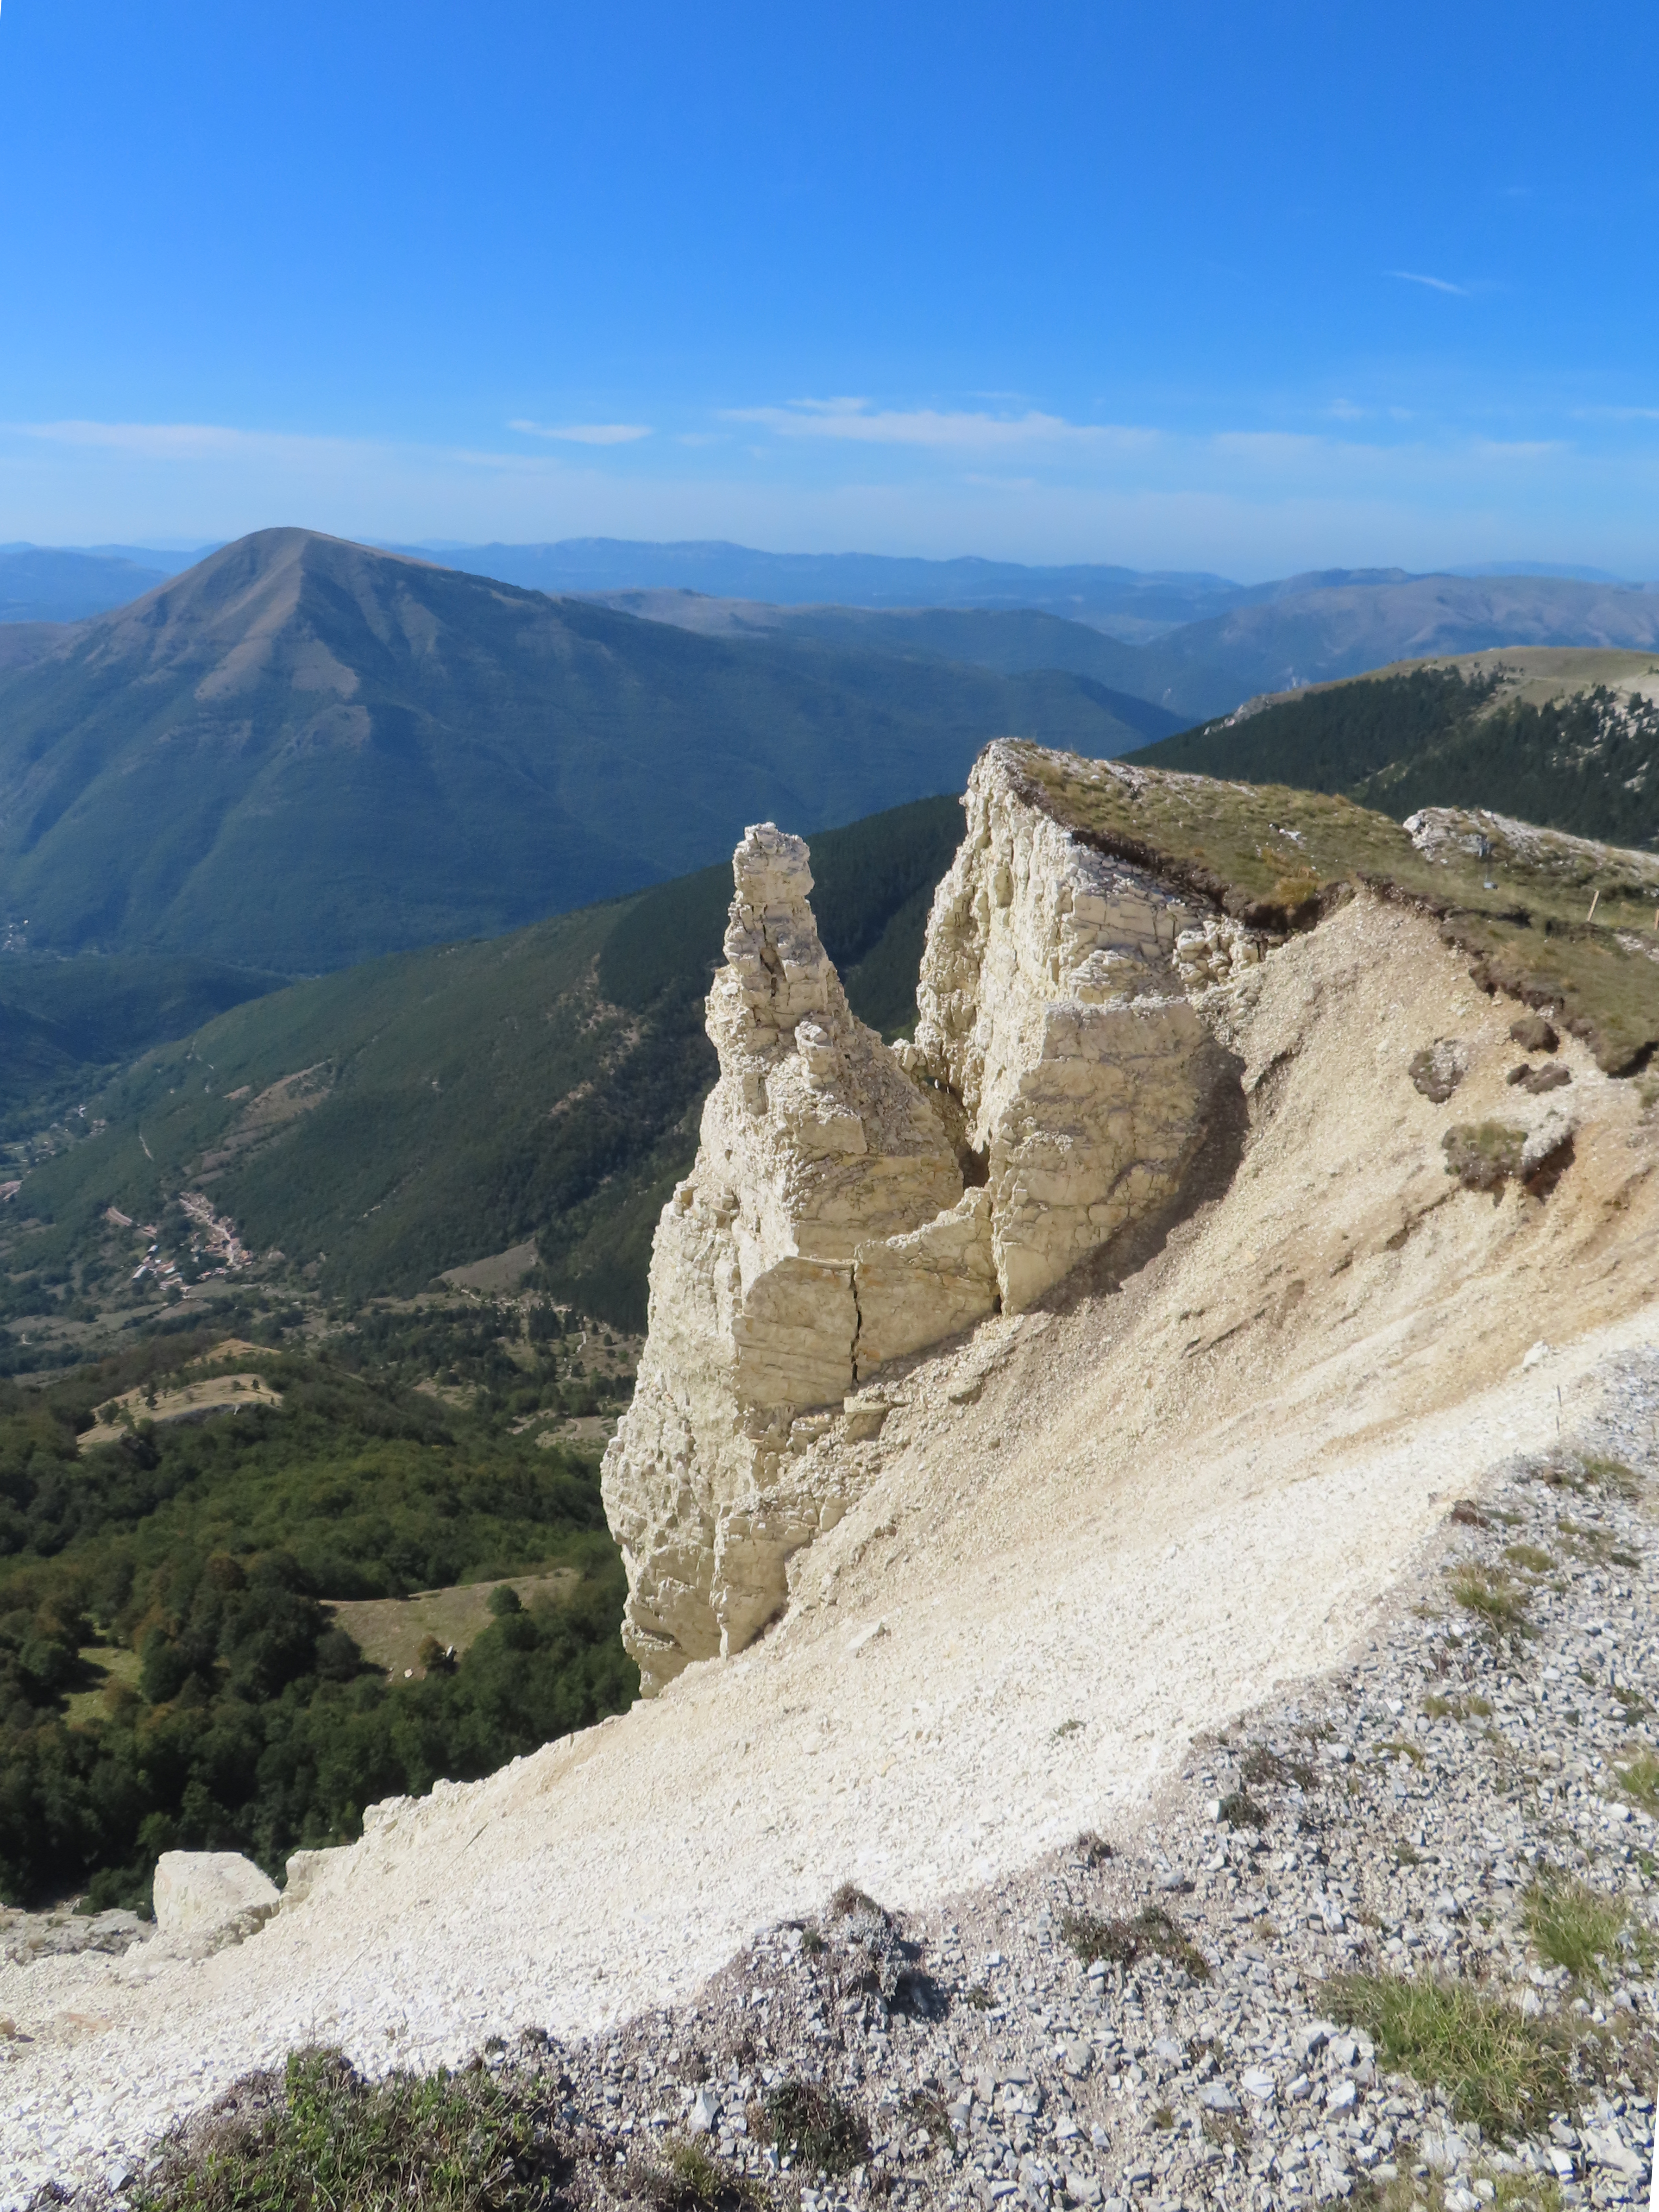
x: 1121, y: 1942
x: 1400, y: 1746
x: 185, y: 1401
x: 390, y: 1631
x: 1262, y: 1767
x: 1510, y: 2193
x: 1456, y: 1708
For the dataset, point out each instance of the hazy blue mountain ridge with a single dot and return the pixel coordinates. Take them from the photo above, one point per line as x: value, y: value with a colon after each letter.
x: 66, y: 584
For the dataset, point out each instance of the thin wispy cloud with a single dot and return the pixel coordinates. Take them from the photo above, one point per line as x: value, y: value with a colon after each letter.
x: 965, y: 430
x: 1434, y: 283
x: 183, y: 443
x: 585, y: 434
x: 1518, y: 449
x: 171, y: 441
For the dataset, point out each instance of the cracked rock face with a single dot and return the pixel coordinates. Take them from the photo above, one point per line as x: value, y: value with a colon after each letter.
x: 1055, y: 1022
x: 853, y: 1205
x: 816, y: 1150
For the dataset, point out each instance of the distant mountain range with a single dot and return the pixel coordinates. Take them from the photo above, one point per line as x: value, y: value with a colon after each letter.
x: 1134, y: 602
x: 1309, y: 631
x: 303, y: 752
x: 65, y: 584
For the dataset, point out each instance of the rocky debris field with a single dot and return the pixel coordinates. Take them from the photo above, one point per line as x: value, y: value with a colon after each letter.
x: 1391, y: 1941
x: 25, y: 1937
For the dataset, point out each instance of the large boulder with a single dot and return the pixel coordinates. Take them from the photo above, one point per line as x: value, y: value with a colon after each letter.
x: 211, y: 1894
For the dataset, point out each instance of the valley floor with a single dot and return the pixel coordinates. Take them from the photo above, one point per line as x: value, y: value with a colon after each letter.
x: 1089, y: 1538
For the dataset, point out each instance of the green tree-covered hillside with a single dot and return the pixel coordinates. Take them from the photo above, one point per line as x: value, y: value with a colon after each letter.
x: 171, y: 1674
x: 382, y: 1124
x: 1586, y: 761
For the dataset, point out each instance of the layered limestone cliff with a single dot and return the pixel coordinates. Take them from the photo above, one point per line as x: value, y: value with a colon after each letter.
x: 852, y: 1205
x: 1056, y: 1029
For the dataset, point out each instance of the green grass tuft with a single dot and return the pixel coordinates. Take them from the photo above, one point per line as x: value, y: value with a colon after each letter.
x: 1488, y: 1593
x: 687, y: 2177
x: 1528, y: 1558
x: 1639, y: 1777
x: 1504, y: 2072
x: 1579, y: 1927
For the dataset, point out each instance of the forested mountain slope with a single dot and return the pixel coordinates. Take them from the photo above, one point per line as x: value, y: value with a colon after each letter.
x: 381, y: 1124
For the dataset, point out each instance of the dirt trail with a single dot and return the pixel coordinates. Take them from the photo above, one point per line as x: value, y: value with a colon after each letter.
x: 1141, y: 1514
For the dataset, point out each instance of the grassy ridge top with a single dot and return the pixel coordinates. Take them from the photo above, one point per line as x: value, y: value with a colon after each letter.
x: 1568, y: 739
x: 1275, y: 856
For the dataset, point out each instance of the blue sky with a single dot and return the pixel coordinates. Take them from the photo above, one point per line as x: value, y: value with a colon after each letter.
x: 1249, y: 287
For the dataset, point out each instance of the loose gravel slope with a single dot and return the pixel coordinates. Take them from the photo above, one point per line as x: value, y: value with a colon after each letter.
x: 1143, y: 1512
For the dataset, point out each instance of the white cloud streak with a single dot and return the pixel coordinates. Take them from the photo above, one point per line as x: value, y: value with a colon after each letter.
x: 1434, y: 283
x: 585, y: 434
x: 998, y: 479
x: 855, y: 422
x: 176, y: 441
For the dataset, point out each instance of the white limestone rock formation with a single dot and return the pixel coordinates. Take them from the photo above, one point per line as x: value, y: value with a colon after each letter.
x: 1060, y: 1073
x: 816, y: 1147
x: 1056, y: 1025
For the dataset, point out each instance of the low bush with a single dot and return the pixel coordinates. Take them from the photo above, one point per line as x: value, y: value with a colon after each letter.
x: 1240, y: 1810
x: 1121, y: 1942
x: 324, y: 2140
x: 818, y: 2129
x: 1483, y: 1155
